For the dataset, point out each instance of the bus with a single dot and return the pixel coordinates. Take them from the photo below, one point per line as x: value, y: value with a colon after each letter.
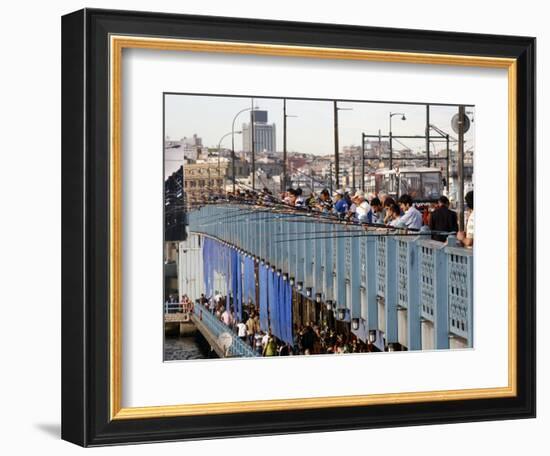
x: 424, y: 185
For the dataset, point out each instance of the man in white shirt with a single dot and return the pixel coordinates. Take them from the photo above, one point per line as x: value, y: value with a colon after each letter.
x: 412, y: 218
x: 241, y: 330
x: 467, y: 238
x: 362, y: 207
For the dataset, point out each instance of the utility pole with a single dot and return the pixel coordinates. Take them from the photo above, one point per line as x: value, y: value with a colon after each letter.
x: 391, y: 146
x: 461, y: 115
x: 283, y: 182
x: 448, y: 165
x: 336, y: 147
x: 391, y: 137
x: 363, y: 162
x: 353, y: 174
x: 330, y: 179
x: 252, y: 122
x: 233, y: 156
x: 428, y: 133
x: 380, y: 157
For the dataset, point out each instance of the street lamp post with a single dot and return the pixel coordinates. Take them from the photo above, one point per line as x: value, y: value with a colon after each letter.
x: 363, y: 162
x: 390, y: 135
x: 252, y: 144
x: 428, y: 133
x: 233, y: 144
x: 285, y: 115
x: 353, y: 174
x: 220, y: 145
x: 336, y: 143
x: 336, y: 146
x: 330, y: 179
x: 461, y: 115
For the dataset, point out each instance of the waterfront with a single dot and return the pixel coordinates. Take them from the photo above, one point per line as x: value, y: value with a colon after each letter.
x: 179, y: 348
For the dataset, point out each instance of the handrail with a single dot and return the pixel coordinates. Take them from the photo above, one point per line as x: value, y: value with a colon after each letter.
x: 177, y: 307
x: 395, y: 272
x: 238, y: 348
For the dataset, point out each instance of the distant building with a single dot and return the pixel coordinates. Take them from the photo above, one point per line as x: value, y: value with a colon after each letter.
x: 191, y: 147
x: 174, y: 207
x: 264, y: 133
x: 203, y: 178
x: 378, y: 149
x: 270, y: 166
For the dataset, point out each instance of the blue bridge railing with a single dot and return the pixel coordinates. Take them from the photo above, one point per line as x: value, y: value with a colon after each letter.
x: 216, y: 328
x: 416, y: 291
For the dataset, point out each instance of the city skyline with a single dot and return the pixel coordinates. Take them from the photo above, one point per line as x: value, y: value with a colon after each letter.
x: 312, y: 130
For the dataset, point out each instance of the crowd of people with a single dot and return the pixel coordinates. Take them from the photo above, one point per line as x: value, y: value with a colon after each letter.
x: 311, y: 339
x: 372, y: 210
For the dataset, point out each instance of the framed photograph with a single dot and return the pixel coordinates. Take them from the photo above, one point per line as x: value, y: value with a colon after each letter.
x: 268, y: 227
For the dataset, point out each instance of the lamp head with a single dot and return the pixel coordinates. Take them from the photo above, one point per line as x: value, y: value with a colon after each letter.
x: 372, y: 336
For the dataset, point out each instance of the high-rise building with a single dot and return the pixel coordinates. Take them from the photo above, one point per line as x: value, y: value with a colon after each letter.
x: 191, y: 147
x: 264, y: 133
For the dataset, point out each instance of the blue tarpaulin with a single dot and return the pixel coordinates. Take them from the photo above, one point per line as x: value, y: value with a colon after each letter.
x: 206, y: 266
x: 288, y: 335
x: 273, y: 303
x: 236, y: 287
x: 264, y: 285
x: 249, y: 286
x: 275, y: 292
x: 280, y: 308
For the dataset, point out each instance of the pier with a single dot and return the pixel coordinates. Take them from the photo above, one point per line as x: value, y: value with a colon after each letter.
x: 196, y: 317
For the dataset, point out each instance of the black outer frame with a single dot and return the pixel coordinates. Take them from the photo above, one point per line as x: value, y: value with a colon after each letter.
x: 85, y: 227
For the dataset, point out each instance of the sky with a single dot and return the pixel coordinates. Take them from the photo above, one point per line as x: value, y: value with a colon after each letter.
x: 312, y: 130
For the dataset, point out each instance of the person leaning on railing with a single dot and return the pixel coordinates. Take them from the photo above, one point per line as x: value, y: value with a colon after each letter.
x: 443, y: 219
x: 412, y: 218
x: 467, y: 238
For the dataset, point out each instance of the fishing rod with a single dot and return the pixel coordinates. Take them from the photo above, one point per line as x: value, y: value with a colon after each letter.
x: 360, y: 235
x: 364, y: 226
x: 311, y: 178
x: 277, y: 216
x: 297, y: 212
x: 337, y: 232
x: 272, y: 196
x: 358, y: 225
x: 297, y: 209
x: 302, y: 213
x: 345, y: 223
x: 243, y: 213
x: 229, y: 202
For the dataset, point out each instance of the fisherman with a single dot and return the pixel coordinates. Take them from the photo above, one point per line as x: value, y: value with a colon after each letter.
x: 443, y: 219
x: 375, y: 214
x: 341, y: 205
x: 324, y: 202
x: 362, y: 207
x: 394, y: 216
x: 412, y: 217
x: 300, y: 200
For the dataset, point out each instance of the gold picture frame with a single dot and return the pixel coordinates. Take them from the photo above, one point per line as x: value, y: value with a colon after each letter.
x: 114, y: 44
